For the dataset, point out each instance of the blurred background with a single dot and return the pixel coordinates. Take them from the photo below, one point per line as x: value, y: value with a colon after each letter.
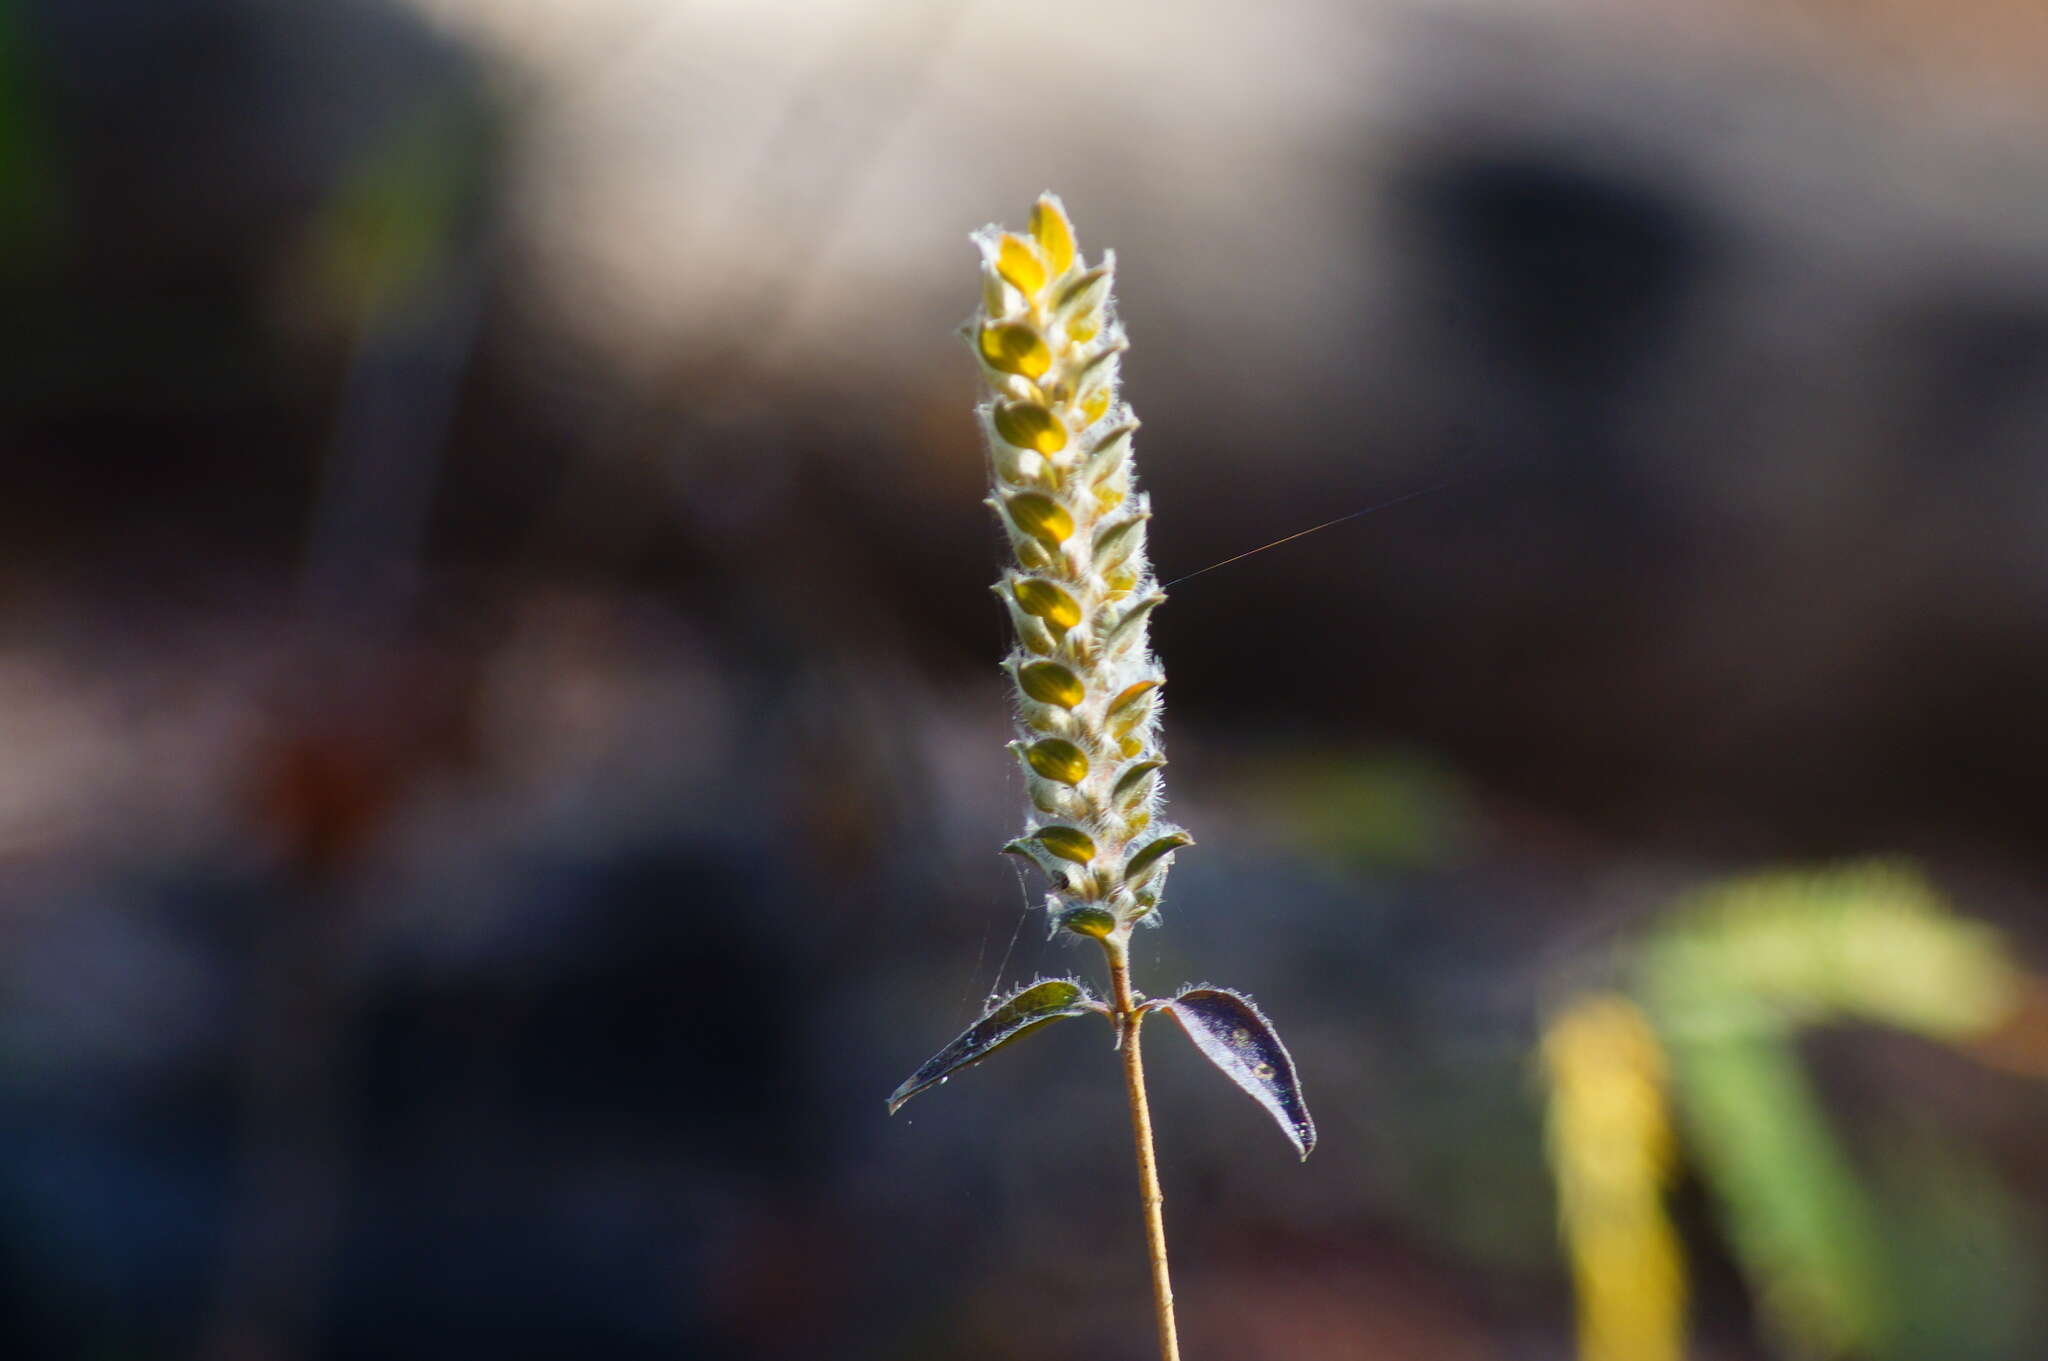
x: 501, y: 746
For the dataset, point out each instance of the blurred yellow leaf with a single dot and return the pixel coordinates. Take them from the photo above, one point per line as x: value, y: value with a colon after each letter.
x: 1610, y: 1148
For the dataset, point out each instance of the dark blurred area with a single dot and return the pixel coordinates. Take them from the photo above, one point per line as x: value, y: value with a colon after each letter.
x: 501, y: 755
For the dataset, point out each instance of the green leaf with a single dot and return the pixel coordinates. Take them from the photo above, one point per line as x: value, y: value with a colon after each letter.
x: 1132, y: 786
x: 1087, y: 920
x: 1803, y: 1225
x: 1129, y: 625
x: 1100, y: 367
x: 1235, y: 1035
x: 1132, y: 707
x: 1085, y: 293
x: 1123, y: 713
x: 1036, y: 851
x: 1052, y: 999
x: 1110, y: 454
x: 1143, y: 861
x: 1115, y: 543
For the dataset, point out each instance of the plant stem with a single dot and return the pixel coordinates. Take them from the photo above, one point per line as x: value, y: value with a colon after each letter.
x: 1116, y: 947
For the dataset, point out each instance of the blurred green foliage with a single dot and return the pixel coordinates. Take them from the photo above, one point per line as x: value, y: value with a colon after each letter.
x: 1388, y: 809
x: 1918, y: 1255
x: 1964, y: 1267
x: 1871, y: 942
x: 382, y: 239
x: 1798, y: 1214
x: 30, y: 199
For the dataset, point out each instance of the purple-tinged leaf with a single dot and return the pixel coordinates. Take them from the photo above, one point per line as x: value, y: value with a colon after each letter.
x: 1025, y: 1010
x: 1235, y: 1035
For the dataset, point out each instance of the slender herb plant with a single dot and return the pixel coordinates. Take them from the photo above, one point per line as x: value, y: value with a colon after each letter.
x: 1081, y: 594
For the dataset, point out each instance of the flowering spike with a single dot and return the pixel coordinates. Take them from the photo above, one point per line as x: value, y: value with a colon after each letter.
x: 1081, y: 592
x: 1081, y: 600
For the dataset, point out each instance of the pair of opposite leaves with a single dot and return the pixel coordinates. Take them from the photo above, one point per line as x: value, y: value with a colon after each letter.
x: 1229, y: 1030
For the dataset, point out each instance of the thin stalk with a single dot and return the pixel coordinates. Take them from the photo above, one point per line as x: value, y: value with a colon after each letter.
x: 1128, y: 1018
